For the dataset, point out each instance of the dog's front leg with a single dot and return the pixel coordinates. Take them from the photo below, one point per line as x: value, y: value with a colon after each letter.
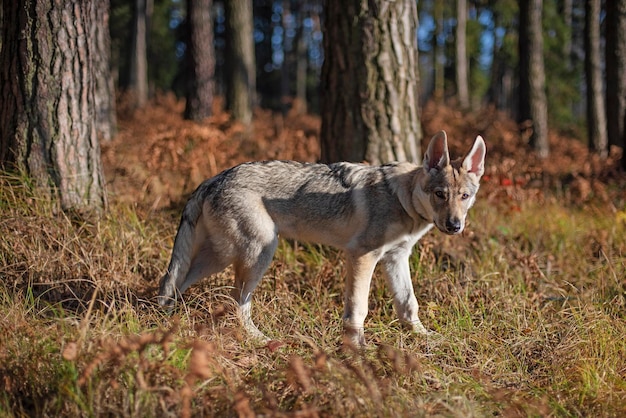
x: 396, y: 269
x: 360, y: 268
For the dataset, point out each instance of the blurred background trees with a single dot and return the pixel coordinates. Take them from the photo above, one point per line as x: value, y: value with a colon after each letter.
x: 138, y: 54
x: 547, y: 63
x: 533, y: 105
x: 472, y: 53
x: 288, y: 45
x: 615, y: 59
x: 240, y: 60
x: 596, y: 113
x: 199, y: 60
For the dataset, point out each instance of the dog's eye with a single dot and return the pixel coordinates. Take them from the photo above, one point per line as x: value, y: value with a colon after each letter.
x: 465, y: 196
x: 440, y: 194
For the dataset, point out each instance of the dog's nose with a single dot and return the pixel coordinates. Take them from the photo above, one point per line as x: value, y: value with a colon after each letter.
x: 453, y: 225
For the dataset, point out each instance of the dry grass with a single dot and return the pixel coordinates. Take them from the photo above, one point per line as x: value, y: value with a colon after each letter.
x: 529, y: 305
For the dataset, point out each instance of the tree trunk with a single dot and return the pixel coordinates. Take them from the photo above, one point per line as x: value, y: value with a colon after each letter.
x: 241, y: 78
x: 106, y: 118
x: 439, y: 53
x: 616, y: 73
x: 200, y: 60
x: 369, y: 82
x: 302, y: 64
x: 287, y: 66
x: 568, y: 7
x: 524, y: 61
x: 495, y: 94
x: 596, y: 116
x: 461, y: 54
x: 47, y: 114
x: 138, y: 79
x: 501, y: 89
x: 532, y: 91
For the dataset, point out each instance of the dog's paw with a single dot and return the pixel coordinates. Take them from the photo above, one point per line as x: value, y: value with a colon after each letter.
x: 167, y: 294
x: 417, y: 328
x: 354, y: 337
x: 166, y: 301
x: 254, y: 333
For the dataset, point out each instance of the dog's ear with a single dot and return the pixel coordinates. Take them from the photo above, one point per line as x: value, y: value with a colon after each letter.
x: 437, y: 156
x: 475, y: 160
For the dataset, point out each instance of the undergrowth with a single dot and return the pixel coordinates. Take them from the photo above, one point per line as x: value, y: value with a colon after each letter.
x: 528, y: 306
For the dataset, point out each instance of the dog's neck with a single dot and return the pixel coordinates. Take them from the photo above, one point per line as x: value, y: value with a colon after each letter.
x: 408, y: 182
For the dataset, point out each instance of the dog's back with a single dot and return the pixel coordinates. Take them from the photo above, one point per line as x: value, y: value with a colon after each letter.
x: 310, y: 202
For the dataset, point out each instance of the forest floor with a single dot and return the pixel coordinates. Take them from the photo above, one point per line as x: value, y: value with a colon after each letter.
x: 529, y: 303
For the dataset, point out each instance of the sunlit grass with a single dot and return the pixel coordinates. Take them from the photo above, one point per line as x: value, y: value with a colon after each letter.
x: 529, y: 307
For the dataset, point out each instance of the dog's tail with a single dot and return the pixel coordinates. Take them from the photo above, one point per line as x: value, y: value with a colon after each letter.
x: 182, y: 251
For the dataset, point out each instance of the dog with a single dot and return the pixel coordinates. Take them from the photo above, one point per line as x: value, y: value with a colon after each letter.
x: 374, y: 214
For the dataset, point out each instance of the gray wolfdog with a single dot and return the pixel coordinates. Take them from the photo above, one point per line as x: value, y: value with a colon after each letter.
x: 373, y: 213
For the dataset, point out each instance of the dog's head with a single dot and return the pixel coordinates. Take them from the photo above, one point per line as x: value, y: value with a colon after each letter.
x: 450, y: 187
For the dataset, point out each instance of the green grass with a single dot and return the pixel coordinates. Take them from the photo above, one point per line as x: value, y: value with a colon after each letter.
x: 529, y: 305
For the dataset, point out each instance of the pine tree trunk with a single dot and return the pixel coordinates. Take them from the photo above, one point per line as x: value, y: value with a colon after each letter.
x: 138, y: 79
x: 439, y: 53
x: 532, y: 91
x: 496, y: 94
x: 106, y: 119
x: 616, y: 73
x: 240, y: 62
x: 47, y: 115
x: 502, y: 82
x: 568, y: 7
x: 287, y: 66
x: 461, y: 54
x: 302, y: 65
x: 596, y: 116
x: 369, y: 82
x: 200, y: 60
x: 524, y: 61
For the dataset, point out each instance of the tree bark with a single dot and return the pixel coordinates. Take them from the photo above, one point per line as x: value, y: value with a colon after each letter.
x: 568, y: 7
x: 289, y: 60
x: 596, y: 115
x: 302, y: 64
x: 461, y: 54
x: 47, y: 114
x: 138, y: 79
x: 496, y: 94
x: 615, y: 56
x: 106, y: 119
x: 439, y: 52
x: 240, y: 64
x: 532, y: 91
x: 200, y: 60
x: 369, y: 82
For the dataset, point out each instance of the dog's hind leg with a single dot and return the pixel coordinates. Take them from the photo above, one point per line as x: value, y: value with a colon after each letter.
x: 189, y: 238
x: 180, y: 263
x: 194, y: 257
x: 205, y: 262
x: 249, y: 270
